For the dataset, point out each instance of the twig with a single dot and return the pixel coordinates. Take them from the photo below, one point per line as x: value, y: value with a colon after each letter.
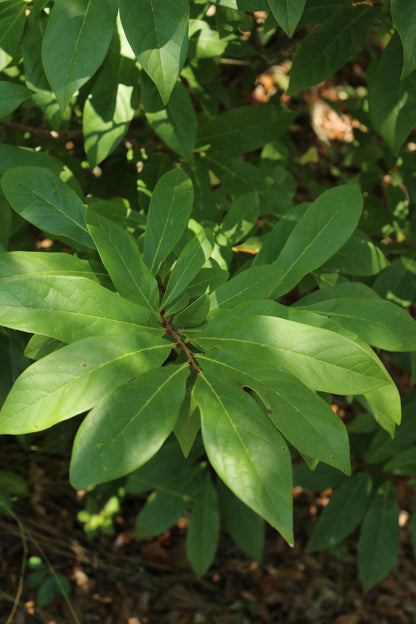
x: 180, y: 343
x: 44, y: 134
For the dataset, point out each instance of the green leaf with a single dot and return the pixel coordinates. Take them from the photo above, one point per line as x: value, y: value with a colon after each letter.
x: 194, y: 315
x: 74, y: 378
x: 253, y: 283
x: 110, y: 106
x: 157, y: 31
x: 392, y: 102
x: 384, y: 403
x: 203, y: 529
x: 241, y: 218
x: 169, y: 212
x: 191, y: 259
x: 413, y: 526
x: 69, y: 308
x: 75, y: 43
x: 305, y: 419
x: 287, y: 13
x: 398, y: 282
x: 187, y: 426
x: 322, y: 230
x: 243, y: 129
x: 165, y: 506
x: 174, y: 122
x: 14, y: 156
x: 246, y: 451
x: 16, y: 265
x: 359, y: 256
x: 343, y: 513
x: 12, y: 23
x: 378, y: 546
x: 327, y: 48
x: 322, y: 359
x: 41, y: 198
x: 122, y: 259
x: 147, y: 408
x: 380, y: 323
x: 404, y: 18
x: 11, y: 96
x: 244, y: 526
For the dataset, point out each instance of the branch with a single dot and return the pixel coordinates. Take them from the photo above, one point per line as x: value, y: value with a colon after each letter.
x: 180, y: 343
x: 44, y: 134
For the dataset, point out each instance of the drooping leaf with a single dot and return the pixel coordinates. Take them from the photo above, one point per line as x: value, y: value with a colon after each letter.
x: 157, y: 31
x: 69, y: 308
x: 287, y: 13
x: 324, y: 360
x: 74, y: 378
x: 11, y: 96
x: 168, y: 503
x: 343, y: 513
x: 203, y: 529
x: 174, y: 122
x: 121, y: 257
x: 169, y: 213
x: 243, y: 129
x: 384, y: 404
x: 327, y: 48
x: 110, y: 106
x: 128, y: 426
x: 380, y: 323
x: 41, y: 198
x: 392, y: 102
x: 244, y: 526
x: 75, y: 44
x: 378, y: 545
x: 323, y: 229
x: 12, y: 23
x: 246, y: 451
x: 404, y: 18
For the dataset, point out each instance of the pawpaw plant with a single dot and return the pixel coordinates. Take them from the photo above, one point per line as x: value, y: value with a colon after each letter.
x: 203, y: 314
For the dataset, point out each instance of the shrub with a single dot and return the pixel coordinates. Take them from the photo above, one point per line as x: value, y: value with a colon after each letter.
x: 218, y: 285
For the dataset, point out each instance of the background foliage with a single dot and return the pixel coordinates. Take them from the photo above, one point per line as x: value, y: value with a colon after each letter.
x: 226, y: 279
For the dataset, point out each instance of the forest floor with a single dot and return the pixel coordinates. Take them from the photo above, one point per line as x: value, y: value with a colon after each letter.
x: 116, y: 580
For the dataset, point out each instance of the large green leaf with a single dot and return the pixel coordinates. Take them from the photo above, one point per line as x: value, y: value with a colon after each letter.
x: 157, y: 31
x: 243, y: 129
x: 359, y: 256
x: 327, y: 48
x: 287, y: 13
x: 76, y: 41
x: 384, y: 404
x: 69, y: 308
x: 12, y: 23
x: 305, y: 419
x: 246, y: 451
x: 168, y: 216
x: 128, y: 426
x: 392, y: 101
x: 122, y: 259
x: 404, y: 18
x: 41, y: 198
x: 380, y: 323
x: 11, y: 96
x: 378, y: 546
x: 191, y: 259
x: 322, y: 230
x: 110, y: 106
x: 15, y: 156
x: 398, y: 282
x: 322, y: 359
x: 203, y: 529
x: 25, y: 264
x: 74, y: 378
x: 174, y: 122
x: 344, y: 511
